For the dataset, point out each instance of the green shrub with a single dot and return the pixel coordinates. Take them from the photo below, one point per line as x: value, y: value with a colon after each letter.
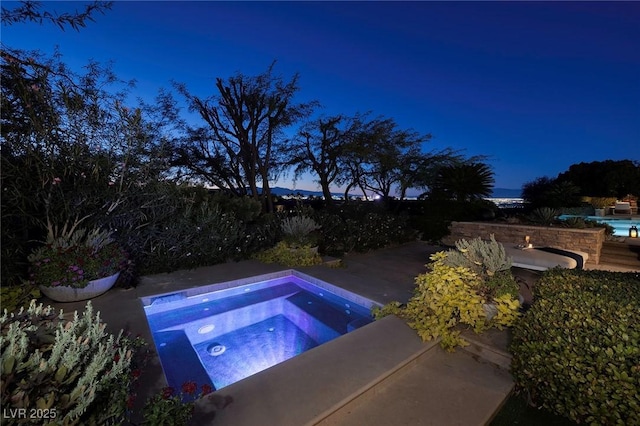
x: 73, y: 372
x: 361, y: 228
x: 433, y: 218
x: 451, y: 295
x: 287, y: 255
x: 576, y: 352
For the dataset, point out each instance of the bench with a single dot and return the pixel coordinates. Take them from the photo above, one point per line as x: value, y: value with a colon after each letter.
x: 540, y: 260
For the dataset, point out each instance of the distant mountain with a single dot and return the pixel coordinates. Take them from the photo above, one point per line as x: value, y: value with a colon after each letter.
x: 506, y: 193
x: 279, y: 190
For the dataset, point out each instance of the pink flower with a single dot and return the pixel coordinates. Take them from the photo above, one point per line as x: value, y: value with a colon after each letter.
x: 56, y: 180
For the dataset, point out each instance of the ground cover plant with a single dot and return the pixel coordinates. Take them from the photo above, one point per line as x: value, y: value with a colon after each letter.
x: 58, y: 371
x: 62, y: 372
x: 576, y: 352
x: 470, y: 286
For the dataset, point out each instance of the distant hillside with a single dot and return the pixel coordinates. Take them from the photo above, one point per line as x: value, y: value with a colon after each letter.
x: 497, y: 192
x: 278, y: 190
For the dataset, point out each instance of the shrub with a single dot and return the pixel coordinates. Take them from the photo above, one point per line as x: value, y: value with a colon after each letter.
x: 483, y: 257
x: 361, y: 228
x: 73, y: 372
x: 576, y: 352
x: 299, y: 231
x: 544, y: 215
x: 287, y: 255
x: 451, y: 295
x: 171, y: 409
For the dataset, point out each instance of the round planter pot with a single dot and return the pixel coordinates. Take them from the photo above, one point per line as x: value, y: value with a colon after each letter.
x: 70, y: 294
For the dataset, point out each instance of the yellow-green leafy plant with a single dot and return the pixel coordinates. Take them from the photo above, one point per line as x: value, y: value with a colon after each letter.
x: 14, y: 297
x: 283, y: 254
x: 63, y: 372
x: 449, y: 296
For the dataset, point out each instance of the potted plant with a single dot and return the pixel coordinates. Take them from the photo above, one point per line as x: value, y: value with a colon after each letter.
x: 600, y: 204
x: 76, y: 264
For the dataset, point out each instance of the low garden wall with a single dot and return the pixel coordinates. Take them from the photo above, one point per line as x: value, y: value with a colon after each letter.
x: 586, y: 240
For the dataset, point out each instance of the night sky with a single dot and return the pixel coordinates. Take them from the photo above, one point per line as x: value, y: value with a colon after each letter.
x: 535, y: 86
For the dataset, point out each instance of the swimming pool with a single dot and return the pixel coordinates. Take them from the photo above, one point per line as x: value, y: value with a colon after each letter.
x: 225, y: 332
x: 620, y: 226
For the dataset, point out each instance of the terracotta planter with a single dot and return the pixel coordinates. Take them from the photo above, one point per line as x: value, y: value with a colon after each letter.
x: 70, y: 294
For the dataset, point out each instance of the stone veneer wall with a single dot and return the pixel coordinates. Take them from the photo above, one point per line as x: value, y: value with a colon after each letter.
x: 587, y: 240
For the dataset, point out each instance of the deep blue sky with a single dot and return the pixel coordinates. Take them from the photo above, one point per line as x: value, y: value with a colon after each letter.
x: 536, y: 86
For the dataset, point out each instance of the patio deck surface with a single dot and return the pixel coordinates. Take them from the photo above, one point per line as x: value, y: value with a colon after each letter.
x: 379, y: 374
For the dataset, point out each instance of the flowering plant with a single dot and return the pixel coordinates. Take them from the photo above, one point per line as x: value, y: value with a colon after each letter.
x: 169, y: 408
x: 74, y: 257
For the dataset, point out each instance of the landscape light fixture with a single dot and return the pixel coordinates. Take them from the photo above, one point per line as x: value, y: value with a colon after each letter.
x: 633, y: 232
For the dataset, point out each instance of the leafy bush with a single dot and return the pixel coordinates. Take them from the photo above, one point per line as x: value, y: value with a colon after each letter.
x: 576, y: 352
x: 434, y: 217
x: 167, y: 408
x: 179, y: 227
x: 71, y: 370
x: 287, y: 255
x: 360, y: 228
x: 451, y: 295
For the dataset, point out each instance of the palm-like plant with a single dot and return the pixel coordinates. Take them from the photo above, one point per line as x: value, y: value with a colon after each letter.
x: 463, y: 182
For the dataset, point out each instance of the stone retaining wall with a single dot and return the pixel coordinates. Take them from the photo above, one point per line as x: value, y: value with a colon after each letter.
x: 587, y: 240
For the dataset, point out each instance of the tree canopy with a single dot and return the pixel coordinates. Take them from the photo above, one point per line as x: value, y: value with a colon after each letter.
x: 606, y: 178
x: 33, y: 11
x: 242, y: 144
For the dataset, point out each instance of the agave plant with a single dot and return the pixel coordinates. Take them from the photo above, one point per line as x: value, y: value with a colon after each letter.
x: 544, y: 215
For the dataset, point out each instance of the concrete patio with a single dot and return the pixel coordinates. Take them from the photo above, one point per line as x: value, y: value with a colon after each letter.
x: 378, y: 374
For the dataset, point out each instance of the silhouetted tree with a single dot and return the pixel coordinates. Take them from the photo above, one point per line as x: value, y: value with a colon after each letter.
x: 604, y: 178
x: 319, y: 147
x: 243, y: 143
x: 379, y: 156
x: 548, y: 192
x: 463, y: 182
x: 32, y: 11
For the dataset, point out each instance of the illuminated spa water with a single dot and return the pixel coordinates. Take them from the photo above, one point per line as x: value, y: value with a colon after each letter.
x: 221, y: 334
